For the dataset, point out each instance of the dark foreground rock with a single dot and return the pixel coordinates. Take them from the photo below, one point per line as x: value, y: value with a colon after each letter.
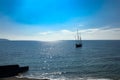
x: 12, y: 70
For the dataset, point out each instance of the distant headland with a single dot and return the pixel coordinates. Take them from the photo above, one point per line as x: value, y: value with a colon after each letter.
x: 4, y: 40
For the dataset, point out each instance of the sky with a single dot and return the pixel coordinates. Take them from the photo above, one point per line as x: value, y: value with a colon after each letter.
x: 48, y: 20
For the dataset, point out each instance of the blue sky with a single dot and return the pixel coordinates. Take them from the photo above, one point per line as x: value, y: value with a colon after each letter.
x: 48, y: 19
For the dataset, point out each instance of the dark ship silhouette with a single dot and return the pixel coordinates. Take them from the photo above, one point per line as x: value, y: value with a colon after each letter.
x: 78, y: 40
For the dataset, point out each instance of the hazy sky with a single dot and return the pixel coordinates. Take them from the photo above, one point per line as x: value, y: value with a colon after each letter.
x: 59, y: 19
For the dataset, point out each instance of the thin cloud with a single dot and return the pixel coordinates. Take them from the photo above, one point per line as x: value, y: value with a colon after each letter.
x: 46, y: 33
x: 14, y: 31
x: 103, y: 33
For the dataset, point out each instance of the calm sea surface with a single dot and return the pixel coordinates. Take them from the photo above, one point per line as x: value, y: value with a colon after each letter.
x: 60, y: 60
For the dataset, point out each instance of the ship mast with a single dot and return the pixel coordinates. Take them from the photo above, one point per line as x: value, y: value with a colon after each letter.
x: 78, y: 37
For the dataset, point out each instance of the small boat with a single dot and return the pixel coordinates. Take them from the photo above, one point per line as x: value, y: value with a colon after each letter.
x: 78, y: 40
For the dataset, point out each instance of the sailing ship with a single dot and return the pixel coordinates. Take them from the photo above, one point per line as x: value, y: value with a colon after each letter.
x: 78, y: 40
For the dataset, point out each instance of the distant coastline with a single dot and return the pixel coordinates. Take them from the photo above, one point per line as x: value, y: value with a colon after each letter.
x: 4, y: 40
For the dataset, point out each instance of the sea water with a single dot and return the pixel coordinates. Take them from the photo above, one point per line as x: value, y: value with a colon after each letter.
x: 61, y: 60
